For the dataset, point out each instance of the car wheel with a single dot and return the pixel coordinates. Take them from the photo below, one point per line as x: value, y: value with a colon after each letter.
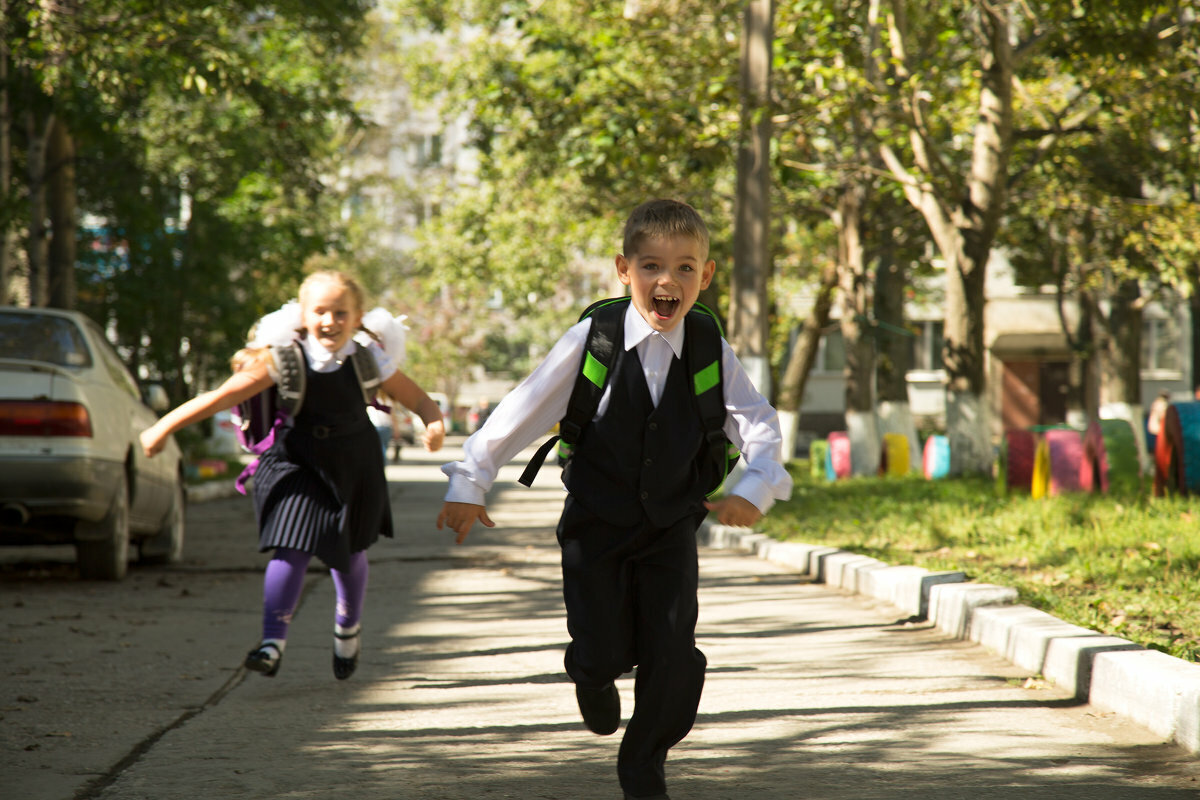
x: 166, y: 546
x: 102, y: 548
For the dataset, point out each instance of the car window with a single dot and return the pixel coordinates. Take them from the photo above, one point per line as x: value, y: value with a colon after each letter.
x: 112, y: 362
x: 43, y: 337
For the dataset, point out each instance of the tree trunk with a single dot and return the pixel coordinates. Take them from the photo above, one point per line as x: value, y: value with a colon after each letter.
x: 893, y: 358
x: 977, y: 220
x: 1119, y: 347
x: 7, y: 235
x: 38, y: 132
x: 856, y: 333
x: 60, y: 178
x: 801, y: 360
x: 748, y: 310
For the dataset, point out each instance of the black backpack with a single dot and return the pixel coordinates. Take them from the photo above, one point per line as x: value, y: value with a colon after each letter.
x: 702, y: 359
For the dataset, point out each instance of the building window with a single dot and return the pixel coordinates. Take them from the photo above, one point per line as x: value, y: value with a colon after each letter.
x: 831, y: 353
x: 427, y: 150
x: 1161, y: 344
x: 927, y: 345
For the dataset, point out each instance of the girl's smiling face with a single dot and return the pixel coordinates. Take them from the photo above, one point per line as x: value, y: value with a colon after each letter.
x: 331, y: 314
x: 665, y: 277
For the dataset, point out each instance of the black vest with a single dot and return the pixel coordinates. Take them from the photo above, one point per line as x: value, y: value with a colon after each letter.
x: 638, y: 460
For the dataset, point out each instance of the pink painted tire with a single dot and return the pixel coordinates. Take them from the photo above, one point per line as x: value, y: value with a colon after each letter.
x: 839, y: 454
x: 1066, y: 460
x: 1019, y: 449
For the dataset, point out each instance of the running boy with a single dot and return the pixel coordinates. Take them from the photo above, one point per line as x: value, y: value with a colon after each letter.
x: 634, y: 502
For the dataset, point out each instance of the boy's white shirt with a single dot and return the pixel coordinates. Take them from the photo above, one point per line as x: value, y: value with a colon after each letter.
x: 529, y: 411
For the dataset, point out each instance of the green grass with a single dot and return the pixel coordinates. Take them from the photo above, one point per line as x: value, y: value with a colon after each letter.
x: 1126, y: 566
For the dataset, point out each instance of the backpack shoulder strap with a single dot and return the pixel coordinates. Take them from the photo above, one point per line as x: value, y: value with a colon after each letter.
x: 703, y: 352
x: 604, y: 341
x: 289, y: 362
x: 367, y: 369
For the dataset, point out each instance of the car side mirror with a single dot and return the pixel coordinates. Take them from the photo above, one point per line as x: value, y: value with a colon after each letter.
x: 156, y: 397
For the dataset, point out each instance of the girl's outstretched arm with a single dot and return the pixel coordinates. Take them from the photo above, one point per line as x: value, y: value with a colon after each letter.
x: 413, y: 397
x: 242, y: 384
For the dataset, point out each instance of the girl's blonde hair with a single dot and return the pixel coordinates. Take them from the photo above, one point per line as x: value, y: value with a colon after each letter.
x: 338, y: 277
x: 248, y: 356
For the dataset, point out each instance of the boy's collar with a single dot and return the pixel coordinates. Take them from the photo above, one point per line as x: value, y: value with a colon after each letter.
x: 637, y: 329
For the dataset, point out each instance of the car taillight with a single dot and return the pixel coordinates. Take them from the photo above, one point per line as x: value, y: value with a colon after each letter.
x: 43, y: 418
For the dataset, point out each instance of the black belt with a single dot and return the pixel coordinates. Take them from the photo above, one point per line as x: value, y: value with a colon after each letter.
x: 321, y: 431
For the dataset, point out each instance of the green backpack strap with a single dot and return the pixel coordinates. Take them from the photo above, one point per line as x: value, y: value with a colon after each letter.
x: 702, y: 354
x: 604, y: 341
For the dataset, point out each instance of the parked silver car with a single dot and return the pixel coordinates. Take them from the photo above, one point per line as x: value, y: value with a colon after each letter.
x: 71, y: 468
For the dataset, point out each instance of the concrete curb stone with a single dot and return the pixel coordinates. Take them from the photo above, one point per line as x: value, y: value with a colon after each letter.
x: 1158, y: 691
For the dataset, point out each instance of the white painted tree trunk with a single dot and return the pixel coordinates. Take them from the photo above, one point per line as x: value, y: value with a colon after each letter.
x: 789, y: 426
x: 967, y: 428
x: 864, y: 442
x: 895, y: 417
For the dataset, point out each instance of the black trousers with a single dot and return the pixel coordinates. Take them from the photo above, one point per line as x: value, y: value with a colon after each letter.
x: 630, y: 595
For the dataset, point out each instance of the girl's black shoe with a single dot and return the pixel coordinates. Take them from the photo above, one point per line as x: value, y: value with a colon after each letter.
x: 344, y: 667
x: 265, y: 659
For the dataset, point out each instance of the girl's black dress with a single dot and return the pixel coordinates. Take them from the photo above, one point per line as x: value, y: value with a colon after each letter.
x: 321, y: 487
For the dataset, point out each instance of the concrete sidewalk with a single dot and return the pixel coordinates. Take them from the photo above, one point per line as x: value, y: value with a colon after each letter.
x: 813, y: 691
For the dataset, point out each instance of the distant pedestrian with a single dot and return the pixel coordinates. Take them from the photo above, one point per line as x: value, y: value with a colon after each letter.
x: 320, y: 487
x: 382, y: 420
x: 637, y: 483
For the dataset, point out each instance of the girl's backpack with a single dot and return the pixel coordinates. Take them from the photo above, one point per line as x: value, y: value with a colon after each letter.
x: 257, y: 418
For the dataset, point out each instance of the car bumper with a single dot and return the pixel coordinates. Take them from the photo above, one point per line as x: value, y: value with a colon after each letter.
x: 51, y: 486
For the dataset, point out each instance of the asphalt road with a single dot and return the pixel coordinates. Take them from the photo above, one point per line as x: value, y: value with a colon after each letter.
x: 135, y: 690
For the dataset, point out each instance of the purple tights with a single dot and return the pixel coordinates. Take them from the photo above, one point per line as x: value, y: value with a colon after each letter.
x: 284, y: 580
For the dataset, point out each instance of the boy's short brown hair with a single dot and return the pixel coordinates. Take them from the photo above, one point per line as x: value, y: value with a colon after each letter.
x: 656, y: 219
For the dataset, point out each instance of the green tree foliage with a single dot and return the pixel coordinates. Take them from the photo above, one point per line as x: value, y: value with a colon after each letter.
x: 580, y: 113
x: 203, y: 134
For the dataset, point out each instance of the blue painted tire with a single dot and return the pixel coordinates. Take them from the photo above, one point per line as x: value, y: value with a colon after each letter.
x: 1189, y: 432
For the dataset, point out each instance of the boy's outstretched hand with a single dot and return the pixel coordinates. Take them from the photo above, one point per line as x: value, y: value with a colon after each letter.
x: 735, y: 511
x: 459, y: 517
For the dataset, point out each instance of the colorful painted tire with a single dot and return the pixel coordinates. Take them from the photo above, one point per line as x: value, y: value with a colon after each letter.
x: 1168, y: 456
x: 1039, y: 484
x: 895, y: 455
x: 839, y: 455
x: 1093, y: 472
x: 817, y: 453
x: 1189, y: 436
x: 1123, y: 472
x: 1065, y: 449
x: 936, y: 457
x: 1017, y: 459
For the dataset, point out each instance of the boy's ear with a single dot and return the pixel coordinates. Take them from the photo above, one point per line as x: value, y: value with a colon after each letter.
x: 623, y: 269
x: 706, y: 275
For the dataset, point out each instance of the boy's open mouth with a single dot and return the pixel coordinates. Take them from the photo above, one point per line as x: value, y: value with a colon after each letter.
x: 665, y: 307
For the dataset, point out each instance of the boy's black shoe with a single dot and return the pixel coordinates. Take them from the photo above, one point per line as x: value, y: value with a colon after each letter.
x: 601, y: 708
x: 628, y: 796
